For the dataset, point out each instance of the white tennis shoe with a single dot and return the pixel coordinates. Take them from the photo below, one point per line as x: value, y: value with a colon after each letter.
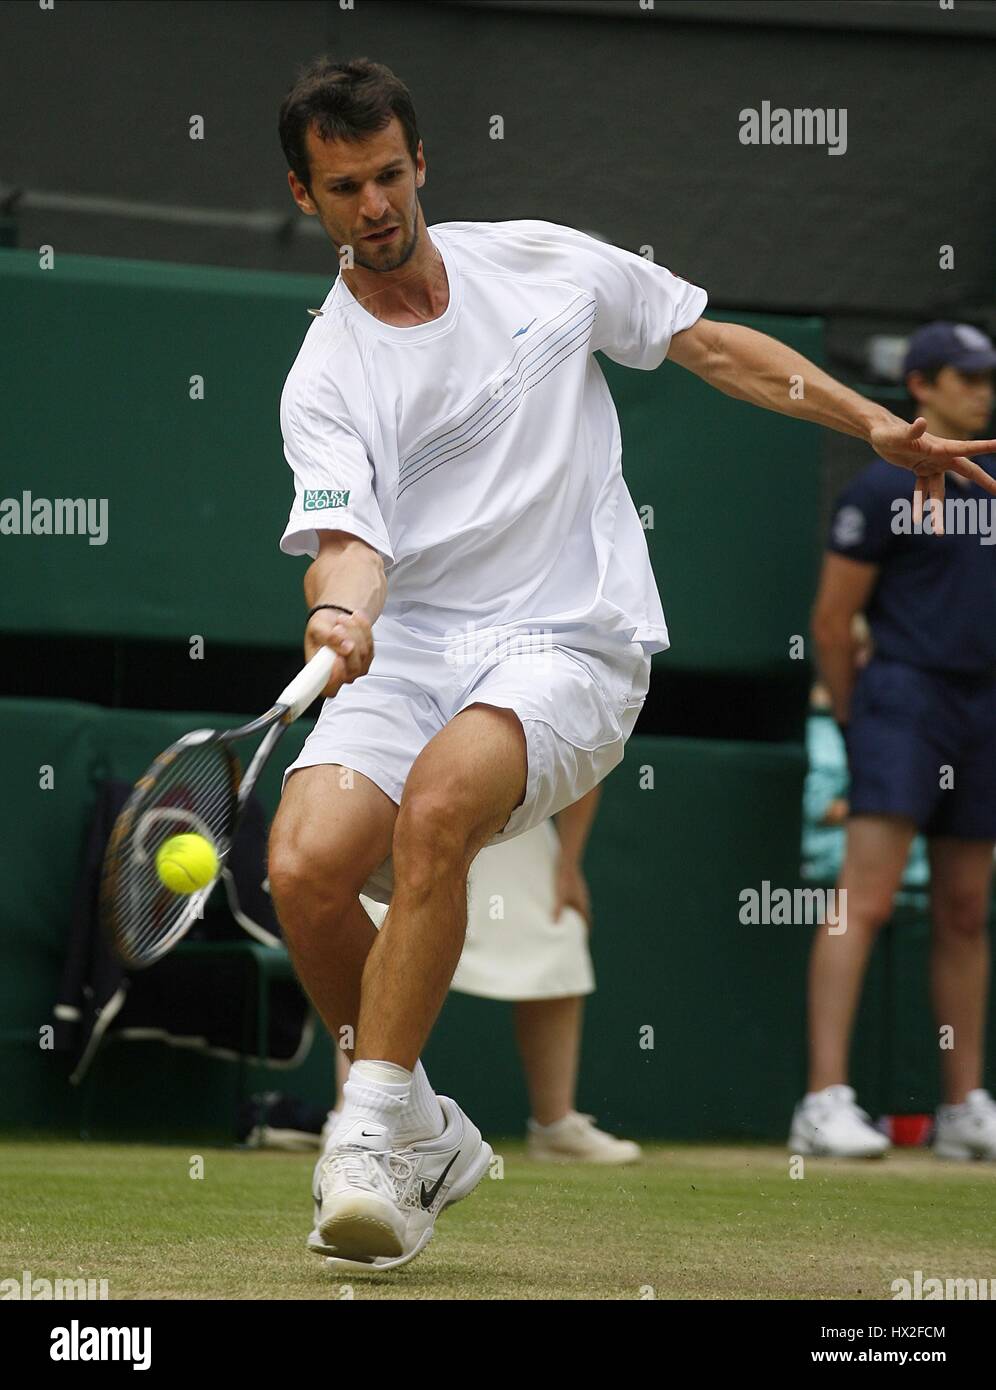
x: 829, y: 1124
x: 577, y: 1139
x: 968, y: 1130
x: 376, y: 1207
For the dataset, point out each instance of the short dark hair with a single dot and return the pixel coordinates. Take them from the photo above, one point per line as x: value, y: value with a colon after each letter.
x: 930, y: 375
x: 344, y: 101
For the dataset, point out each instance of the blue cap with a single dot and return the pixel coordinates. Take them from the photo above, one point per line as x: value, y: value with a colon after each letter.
x: 949, y: 345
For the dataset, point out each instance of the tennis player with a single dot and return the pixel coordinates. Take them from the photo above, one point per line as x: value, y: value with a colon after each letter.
x: 480, y: 570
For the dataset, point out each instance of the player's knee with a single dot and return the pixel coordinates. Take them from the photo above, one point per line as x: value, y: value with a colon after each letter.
x: 430, y: 834
x: 304, y: 885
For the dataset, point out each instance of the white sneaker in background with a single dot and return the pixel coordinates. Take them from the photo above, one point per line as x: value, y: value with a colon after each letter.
x: 289, y: 1140
x: 577, y: 1139
x: 829, y: 1124
x: 968, y: 1130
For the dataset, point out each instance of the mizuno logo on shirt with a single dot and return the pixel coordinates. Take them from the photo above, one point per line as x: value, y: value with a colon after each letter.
x: 524, y: 330
x: 323, y: 499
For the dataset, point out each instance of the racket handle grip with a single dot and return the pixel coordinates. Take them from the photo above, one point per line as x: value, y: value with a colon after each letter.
x: 308, y: 684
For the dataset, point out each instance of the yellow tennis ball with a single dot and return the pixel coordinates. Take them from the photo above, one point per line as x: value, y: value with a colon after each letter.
x: 185, y: 863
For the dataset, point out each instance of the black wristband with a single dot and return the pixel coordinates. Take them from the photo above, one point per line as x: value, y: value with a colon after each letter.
x: 319, y: 606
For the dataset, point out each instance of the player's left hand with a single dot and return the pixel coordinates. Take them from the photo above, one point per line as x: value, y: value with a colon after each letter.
x: 571, y: 890
x: 929, y: 457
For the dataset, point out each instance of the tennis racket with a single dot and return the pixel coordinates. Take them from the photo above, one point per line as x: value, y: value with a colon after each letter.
x: 194, y: 787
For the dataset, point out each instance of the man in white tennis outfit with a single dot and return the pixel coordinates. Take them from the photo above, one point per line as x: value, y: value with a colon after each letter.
x: 479, y: 568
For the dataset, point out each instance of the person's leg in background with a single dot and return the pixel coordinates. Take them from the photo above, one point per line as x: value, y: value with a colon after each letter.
x: 548, y: 1034
x: 828, y: 1120
x: 874, y: 859
x: 961, y: 873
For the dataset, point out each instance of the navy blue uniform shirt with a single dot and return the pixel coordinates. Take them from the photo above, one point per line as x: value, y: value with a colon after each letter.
x: 934, y: 602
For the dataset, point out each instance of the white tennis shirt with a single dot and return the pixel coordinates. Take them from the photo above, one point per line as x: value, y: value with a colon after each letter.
x: 480, y: 453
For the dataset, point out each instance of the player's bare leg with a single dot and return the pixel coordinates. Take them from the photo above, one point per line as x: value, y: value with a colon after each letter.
x: 333, y: 829
x: 461, y: 790
x: 377, y: 1197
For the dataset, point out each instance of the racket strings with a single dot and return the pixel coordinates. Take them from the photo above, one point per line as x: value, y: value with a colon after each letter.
x: 189, y: 790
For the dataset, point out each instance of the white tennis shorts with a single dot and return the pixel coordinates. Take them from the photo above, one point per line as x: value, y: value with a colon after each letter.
x: 577, y: 706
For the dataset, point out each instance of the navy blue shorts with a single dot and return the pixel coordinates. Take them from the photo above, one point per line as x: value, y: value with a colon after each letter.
x: 913, y: 733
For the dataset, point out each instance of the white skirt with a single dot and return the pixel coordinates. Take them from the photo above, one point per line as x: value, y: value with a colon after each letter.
x: 514, y: 950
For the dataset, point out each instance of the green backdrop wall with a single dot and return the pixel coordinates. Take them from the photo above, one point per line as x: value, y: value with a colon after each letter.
x: 684, y: 827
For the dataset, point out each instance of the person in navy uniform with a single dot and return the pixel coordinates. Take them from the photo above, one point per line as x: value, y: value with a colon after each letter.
x: 919, y: 721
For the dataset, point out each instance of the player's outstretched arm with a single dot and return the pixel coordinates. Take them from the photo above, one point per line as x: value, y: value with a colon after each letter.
x: 350, y: 573
x: 754, y: 367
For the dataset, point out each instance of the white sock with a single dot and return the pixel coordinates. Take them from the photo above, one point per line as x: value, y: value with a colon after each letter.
x: 423, y: 1115
x: 400, y: 1099
x: 376, y: 1091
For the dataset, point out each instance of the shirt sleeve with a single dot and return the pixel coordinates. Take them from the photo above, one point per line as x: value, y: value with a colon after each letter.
x: 333, y: 478
x: 640, y: 305
x: 861, y: 527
